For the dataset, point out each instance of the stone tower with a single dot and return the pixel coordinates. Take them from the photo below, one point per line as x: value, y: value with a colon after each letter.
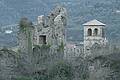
x: 41, y: 33
x: 58, y: 28
x: 94, y: 34
x: 50, y: 30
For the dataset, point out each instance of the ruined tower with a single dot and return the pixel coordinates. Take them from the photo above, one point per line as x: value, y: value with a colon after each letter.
x: 41, y: 32
x: 94, y: 35
x: 51, y: 30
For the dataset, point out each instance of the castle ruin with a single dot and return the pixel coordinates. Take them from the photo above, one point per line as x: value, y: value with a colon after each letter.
x: 50, y: 30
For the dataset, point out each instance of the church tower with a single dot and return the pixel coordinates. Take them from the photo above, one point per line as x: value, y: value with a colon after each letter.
x: 94, y: 34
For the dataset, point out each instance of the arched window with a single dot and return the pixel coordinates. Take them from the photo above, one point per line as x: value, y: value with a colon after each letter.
x: 95, y: 31
x: 103, y: 33
x: 89, y: 32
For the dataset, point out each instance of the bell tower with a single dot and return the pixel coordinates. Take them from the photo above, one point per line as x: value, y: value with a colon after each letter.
x: 94, y: 33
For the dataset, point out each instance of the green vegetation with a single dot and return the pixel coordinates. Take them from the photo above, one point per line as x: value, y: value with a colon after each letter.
x: 45, y: 46
x: 60, y: 71
x: 26, y: 27
x: 23, y: 78
x: 61, y: 47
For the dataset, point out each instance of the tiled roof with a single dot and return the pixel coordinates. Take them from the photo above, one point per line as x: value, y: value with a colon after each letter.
x: 94, y: 22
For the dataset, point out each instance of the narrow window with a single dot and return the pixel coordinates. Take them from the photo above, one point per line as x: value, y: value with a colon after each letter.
x: 95, y: 31
x: 42, y: 39
x: 103, y: 33
x: 89, y: 32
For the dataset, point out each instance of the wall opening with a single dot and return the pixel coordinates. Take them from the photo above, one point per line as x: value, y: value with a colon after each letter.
x: 103, y: 33
x: 89, y: 32
x: 42, y: 39
x: 95, y: 31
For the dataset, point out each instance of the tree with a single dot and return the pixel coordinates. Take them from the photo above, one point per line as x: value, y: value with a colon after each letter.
x: 62, y: 70
x: 25, y: 37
